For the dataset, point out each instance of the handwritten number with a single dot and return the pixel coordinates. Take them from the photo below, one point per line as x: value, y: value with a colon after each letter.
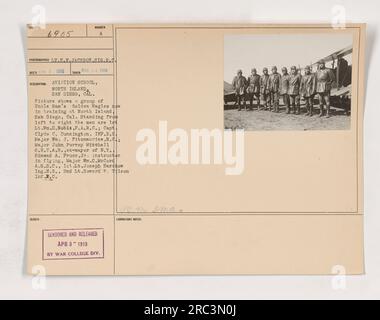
x: 60, y: 34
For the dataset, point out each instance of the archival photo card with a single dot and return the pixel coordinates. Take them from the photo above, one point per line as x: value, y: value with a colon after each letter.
x: 134, y: 168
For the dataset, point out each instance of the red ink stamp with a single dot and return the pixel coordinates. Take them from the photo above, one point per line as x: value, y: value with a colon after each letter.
x: 73, y: 244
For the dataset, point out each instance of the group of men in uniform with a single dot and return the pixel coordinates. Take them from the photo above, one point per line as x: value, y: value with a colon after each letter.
x: 289, y: 86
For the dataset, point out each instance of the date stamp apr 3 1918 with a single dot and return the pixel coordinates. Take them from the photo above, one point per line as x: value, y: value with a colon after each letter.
x: 73, y: 244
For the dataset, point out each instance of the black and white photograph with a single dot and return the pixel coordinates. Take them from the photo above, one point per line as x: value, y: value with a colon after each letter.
x: 287, y: 81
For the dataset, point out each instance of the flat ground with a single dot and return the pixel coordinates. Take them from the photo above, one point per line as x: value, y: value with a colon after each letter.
x: 264, y: 120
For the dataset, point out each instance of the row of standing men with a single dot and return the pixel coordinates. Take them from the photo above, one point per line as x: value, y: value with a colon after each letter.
x: 290, y: 87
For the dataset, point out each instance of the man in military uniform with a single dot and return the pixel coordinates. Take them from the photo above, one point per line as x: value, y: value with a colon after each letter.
x: 239, y: 83
x: 253, y: 89
x: 294, y: 90
x: 284, y: 88
x: 264, y: 88
x: 308, y: 87
x: 274, y: 89
x: 325, y: 79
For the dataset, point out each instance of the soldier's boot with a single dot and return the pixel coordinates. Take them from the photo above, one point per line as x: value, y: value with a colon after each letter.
x: 321, y: 111
x: 307, y: 110
x: 311, y: 111
x: 298, y: 110
x: 328, y: 115
x: 287, y: 109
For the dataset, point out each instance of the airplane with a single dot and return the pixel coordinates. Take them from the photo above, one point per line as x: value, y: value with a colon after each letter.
x: 229, y: 93
x: 341, y: 89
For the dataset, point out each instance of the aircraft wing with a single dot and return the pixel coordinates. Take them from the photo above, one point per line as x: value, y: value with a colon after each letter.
x: 337, y: 54
x: 228, y: 88
x: 342, y: 91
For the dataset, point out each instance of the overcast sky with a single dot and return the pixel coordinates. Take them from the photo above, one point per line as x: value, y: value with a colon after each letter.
x: 259, y: 51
